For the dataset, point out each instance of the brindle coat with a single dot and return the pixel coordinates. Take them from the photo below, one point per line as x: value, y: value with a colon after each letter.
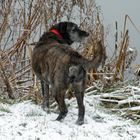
x: 58, y: 65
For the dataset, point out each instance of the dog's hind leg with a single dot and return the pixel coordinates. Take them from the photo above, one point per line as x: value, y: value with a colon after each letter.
x: 79, y: 94
x: 60, y: 99
x: 45, y: 93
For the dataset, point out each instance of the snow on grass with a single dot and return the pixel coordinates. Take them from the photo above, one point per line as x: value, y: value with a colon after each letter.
x: 27, y: 121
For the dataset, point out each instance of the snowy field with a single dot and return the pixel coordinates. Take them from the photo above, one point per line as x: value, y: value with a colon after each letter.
x: 27, y: 121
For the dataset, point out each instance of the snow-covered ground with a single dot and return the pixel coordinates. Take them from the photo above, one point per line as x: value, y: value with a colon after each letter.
x: 27, y: 121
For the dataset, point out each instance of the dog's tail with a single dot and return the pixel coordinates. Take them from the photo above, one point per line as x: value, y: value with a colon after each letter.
x: 96, y: 61
x: 77, y: 70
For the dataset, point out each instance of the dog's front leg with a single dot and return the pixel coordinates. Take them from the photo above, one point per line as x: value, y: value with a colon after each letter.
x: 81, y: 108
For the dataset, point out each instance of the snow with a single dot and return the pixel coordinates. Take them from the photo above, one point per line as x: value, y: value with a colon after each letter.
x: 130, y: 49
x: 27, y: 121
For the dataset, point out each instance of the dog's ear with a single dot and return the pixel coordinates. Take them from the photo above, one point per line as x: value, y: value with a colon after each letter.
x: 62, y: 27
x: 66, y: 26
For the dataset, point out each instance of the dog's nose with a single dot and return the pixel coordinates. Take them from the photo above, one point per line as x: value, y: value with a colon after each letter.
x: 87, y: 34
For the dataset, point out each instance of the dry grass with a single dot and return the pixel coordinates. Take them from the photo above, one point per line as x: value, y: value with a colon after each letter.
x: 23, y: 22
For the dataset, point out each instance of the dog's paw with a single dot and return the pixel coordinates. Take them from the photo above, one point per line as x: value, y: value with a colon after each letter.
x: 61, y: 116
x: 46, y: 109
x: 80, y: 122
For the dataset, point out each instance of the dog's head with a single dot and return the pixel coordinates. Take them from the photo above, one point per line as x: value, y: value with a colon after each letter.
x: 70, y: 32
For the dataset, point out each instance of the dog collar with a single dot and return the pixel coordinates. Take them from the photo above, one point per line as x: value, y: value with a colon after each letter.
x: 57, y: 33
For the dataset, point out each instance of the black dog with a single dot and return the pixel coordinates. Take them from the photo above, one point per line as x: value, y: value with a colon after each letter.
x: 56, y: 64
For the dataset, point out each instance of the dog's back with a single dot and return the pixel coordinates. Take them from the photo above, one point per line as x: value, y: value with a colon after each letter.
x: 54, y: 63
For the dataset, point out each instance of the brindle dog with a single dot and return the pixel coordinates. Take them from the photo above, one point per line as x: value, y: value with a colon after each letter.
x: 55, y: 63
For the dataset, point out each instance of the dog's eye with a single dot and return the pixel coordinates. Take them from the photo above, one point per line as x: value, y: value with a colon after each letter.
x: 74, y: 29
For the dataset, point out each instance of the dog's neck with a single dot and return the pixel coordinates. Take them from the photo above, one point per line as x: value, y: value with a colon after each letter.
x: 62, y: 36
x: 56, y: 33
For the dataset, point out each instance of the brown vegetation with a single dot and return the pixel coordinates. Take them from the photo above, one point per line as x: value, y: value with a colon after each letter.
x: 23, y: 22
